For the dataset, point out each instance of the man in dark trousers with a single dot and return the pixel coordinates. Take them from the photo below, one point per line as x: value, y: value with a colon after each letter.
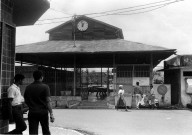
x: 15, y: 107
x: 37, y: 97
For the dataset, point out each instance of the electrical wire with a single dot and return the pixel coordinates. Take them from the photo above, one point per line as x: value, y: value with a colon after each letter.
x: 49, y: 23
x: 133, y: 9
x: 120, y: 13
x: 131, y: 13
x: 118, y: 9
x: 59, y: 11
x: 55, y: 18
x: 165, y: 4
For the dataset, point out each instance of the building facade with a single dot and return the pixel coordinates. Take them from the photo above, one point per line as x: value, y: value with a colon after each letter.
x: 13, y: 13
x: 88, y: 43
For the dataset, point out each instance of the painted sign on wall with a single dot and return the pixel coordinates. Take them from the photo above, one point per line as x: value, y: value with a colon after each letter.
x: 163, y: 94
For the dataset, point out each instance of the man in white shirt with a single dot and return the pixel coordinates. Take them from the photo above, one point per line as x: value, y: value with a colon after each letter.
x: 138, y: 94
x: 15, y: 107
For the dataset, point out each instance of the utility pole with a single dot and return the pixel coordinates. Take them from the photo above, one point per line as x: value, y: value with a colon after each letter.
x: 74, y: 25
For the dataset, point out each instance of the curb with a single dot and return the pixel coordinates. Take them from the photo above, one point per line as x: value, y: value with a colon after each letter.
x: 53, y: 130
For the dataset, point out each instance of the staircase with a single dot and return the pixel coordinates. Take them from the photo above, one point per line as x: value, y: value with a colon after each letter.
x: 100, y: 104
x: 93, y: 102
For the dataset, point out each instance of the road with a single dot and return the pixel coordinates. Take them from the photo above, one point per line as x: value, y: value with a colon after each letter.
x: 133, y: 122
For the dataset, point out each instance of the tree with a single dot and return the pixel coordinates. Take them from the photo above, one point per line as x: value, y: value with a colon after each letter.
x: 158, y: 77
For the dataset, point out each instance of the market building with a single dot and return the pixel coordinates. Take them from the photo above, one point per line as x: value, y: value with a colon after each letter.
x: 13, y: 13
x: 88, y: 43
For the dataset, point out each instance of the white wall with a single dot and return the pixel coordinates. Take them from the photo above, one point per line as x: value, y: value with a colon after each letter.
x: 185, y: 98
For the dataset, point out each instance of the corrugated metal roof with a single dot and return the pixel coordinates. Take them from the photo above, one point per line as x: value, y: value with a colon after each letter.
x: 92, y: 46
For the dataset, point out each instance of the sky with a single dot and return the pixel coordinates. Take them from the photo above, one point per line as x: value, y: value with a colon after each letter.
x: 169, y: 26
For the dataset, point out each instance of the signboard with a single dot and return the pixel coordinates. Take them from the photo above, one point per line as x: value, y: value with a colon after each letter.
x: 163, y: 94
x: 189, y: 85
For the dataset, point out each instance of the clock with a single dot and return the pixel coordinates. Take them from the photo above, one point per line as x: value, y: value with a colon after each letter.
x: 82, y: 25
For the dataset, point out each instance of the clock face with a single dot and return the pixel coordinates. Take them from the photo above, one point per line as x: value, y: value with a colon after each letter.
x: 82, y: 25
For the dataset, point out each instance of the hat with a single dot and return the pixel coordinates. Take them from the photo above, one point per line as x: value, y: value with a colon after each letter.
x: 120, y: 86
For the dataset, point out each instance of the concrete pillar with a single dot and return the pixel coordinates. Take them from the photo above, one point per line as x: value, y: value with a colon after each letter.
x: 7, y: 59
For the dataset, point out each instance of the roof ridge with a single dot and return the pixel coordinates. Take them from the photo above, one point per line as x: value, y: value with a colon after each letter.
x: 82, y: 16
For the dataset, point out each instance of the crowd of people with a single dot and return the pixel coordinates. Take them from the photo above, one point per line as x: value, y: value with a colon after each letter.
x: 139, y: 96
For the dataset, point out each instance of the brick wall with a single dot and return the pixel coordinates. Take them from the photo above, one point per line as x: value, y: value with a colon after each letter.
x: 7, y: 59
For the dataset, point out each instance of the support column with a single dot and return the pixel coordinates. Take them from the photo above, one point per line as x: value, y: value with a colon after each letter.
x: 114, y: 74
x: 74, y: 77
x: 101, y: 77
x: 55, y: 85
x: 108, y: 81
x: 66, y: 80
x: 151, y: 68
x: 80, y: 78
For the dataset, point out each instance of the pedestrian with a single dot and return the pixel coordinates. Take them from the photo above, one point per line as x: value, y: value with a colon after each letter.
x: 153, y: 101
x: 151, y: 98
x: 138, y: 94
x: 37, y: 97
x: 121, y: 99
x: 15, y: 105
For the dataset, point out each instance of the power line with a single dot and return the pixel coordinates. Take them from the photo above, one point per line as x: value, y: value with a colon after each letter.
x: 121, y: 9
x: 120, y: 13
x: 59, y: 11
x: 55, y: 18
x: 133, y: 9
x: 134, y: 13
x: 141, y: 11
x: 48, y: 23
x: 161, y: 5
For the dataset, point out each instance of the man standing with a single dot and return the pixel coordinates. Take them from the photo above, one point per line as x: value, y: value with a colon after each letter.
x: 37, y: 97
x: 15, y: 107
x: 138, y: 94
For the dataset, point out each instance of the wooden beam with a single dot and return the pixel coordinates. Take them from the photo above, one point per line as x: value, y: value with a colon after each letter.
x: 108, y: 82
x: 151, y: 68
x: 101, y: 77
x: 114, y: 74
x: 55, y: 85
x: 74, y: 77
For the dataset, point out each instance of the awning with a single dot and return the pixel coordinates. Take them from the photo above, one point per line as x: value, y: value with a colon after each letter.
x: 91, y: 53
x: 27, y: 12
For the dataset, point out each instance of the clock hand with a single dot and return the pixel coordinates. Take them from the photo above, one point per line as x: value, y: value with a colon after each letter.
x: 82, y: 25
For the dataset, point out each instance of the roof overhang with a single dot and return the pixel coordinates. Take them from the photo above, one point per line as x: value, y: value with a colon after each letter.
x: 27, y: 12
x: 91, y: 53
x: 91, y: 59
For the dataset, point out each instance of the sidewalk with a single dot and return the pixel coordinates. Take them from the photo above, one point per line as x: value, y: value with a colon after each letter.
x: 54, y: 130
